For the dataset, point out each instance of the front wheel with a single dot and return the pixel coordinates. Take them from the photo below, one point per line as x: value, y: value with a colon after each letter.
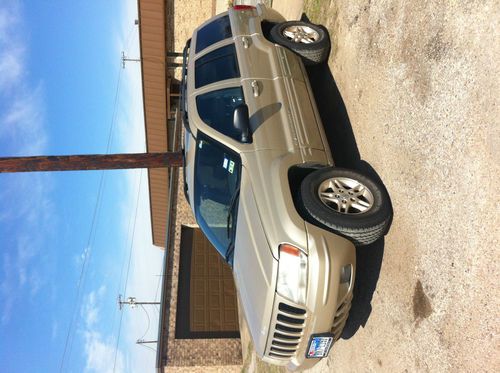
x: 308, y: 40
x: 348, y: 203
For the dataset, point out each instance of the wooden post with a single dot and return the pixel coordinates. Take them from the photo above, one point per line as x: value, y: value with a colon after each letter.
x: 90, y: 162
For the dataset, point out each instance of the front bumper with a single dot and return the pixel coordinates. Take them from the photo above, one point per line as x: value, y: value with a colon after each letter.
x: 327, y: 305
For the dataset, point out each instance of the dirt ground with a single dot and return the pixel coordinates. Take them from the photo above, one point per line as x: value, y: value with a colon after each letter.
x: 419, y: 83
x: 412, y: 88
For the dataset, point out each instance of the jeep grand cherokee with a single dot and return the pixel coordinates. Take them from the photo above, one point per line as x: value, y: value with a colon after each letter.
x: 261, y: 181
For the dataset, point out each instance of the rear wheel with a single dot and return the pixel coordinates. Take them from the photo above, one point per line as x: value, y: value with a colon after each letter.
x: 348, y: 203
x: 308, y: 40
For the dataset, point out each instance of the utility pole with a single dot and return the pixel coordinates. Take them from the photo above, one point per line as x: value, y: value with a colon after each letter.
x: 132, y: 302
x: 170, y: 65
x: 142, y: 341
x: 126, y: 59
x: 91, y: 162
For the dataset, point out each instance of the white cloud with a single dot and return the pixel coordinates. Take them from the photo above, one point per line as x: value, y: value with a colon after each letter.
x: 26, y: 212
x: 10, y: 67
x: 7, y: 287
x: 21, y: 100
x: 90, y: 310
x: 100, y: 351
x: 22, y: 121
x: 11, y: 48
x: 100, y: 354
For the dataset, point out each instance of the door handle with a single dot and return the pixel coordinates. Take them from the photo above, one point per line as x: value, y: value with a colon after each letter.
x: 246, y: 42
x: 255, y: 88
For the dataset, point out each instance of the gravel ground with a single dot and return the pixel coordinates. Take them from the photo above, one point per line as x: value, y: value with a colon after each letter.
x: 420, y: 82
x: 420, y: 85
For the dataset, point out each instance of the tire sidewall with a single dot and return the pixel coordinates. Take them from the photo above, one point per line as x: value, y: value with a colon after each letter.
x: 378, y: 214
x: 277, y: 34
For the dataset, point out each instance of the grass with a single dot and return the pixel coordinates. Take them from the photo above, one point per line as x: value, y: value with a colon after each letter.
x: 324, y: 12
x: 316, y: 10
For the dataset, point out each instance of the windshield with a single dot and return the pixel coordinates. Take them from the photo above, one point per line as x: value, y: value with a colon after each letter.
x: 216, y: 186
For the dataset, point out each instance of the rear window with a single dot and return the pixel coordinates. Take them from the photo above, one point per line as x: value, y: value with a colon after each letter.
x: 215, y: 31
x: 221, y: 64
x: 216, y: 109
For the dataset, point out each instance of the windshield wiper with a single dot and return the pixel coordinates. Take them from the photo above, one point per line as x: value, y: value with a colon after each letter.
x: 232, y: 208
x: 229, y: 251
x: 232, y: 205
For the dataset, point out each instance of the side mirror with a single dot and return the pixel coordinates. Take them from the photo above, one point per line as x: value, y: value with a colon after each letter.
x: 241, y: 122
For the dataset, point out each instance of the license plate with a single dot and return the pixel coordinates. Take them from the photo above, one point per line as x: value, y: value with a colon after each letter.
x: 319, y: 346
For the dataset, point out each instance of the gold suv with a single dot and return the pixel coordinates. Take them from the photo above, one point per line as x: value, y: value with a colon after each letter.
x: 260, y: 178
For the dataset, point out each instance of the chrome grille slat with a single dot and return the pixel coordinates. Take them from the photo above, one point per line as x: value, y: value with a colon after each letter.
x: 292, y: 315
x: 288, y: 328
x: 283, y: 349
x: 287, y: 309
x: 289, y: 324
x: 280, y: 341
x: 286, y: 336
x: 276, y: 355
x: 290, y: 320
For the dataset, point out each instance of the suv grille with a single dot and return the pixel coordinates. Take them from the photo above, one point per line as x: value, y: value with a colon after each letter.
x: 290, y: 322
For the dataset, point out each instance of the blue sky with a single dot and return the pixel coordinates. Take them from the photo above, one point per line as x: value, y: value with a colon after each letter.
x: 64, y: 252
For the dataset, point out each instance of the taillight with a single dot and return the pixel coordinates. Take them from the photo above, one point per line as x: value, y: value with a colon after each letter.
x: 243, y: 7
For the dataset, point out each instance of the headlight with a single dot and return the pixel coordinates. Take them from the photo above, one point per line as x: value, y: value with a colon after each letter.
x: 292, y: 274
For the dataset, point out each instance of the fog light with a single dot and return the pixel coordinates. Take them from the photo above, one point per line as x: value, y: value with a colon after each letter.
x: 345, y: 274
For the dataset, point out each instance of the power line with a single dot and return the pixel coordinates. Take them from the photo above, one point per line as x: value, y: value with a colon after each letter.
x: 92, y: 233
x: 129, y: 237
x: 128, y: 269
x: 146, y: 346
x: 149, y: 322
x: 160, y: 277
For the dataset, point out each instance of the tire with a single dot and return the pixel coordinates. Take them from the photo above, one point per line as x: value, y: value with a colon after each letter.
x: 364, y: 217
x: 313, y: 52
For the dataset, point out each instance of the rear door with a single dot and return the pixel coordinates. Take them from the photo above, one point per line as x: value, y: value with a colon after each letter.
x: 262, y: 83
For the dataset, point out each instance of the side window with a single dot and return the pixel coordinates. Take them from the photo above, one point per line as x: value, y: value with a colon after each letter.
x: 212, y: 33
x: 221, y: 64
x: 216, y: 109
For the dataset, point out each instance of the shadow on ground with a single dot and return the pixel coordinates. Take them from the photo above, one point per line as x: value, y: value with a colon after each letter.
x: 346, y: 154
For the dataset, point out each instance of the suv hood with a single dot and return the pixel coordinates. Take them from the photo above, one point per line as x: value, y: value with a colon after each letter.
x: 254, y: 267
